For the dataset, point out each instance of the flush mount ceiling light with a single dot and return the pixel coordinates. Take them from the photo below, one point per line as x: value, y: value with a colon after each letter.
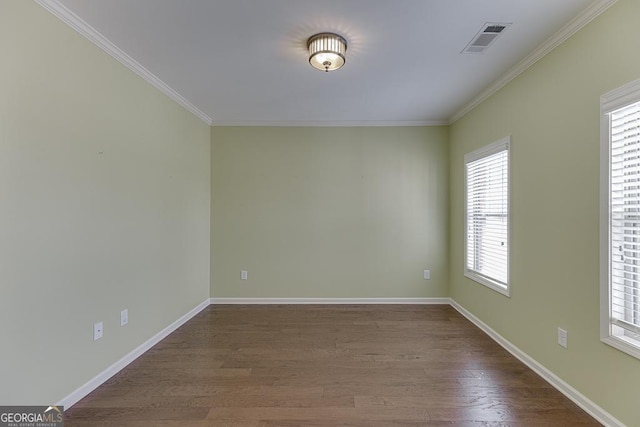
x: 327, y: 51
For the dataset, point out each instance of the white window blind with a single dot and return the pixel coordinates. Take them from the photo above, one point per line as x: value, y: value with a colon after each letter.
x: 625, y: 218
x: 487, y: 216
x: 620, y: 218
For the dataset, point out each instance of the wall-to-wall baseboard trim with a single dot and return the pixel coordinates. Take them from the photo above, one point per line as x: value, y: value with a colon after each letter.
x: 578, y: 398
x: 337, y: 123
x: 330, y: 300
x: 103, y: 376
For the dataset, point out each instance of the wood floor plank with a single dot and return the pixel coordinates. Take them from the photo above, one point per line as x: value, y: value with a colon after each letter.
x: 336, y: 415
x: 318, y: 365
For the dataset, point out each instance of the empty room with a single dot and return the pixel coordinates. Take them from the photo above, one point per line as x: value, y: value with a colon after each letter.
x: 320, y: 213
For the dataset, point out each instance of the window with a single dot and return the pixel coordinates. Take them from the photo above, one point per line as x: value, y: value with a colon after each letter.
x: 620, y: 219
x: 487, y: 216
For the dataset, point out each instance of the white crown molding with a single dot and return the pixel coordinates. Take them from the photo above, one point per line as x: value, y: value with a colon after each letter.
x: 78, y: 24
x: 359, y: 123
x: 574, y: 395
x: 84, y: 390
x: 218, y: 301
x: 588, y: 15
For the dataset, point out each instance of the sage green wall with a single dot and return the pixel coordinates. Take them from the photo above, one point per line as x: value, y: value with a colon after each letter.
x: 104, y: 188
x: 552, y: 113
x: 329, y: 212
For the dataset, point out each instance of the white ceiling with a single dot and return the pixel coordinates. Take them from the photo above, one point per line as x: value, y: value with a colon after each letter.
x: 244, y: 62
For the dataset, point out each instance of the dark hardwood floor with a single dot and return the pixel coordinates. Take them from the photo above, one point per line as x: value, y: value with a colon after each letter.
x: 336, y: 365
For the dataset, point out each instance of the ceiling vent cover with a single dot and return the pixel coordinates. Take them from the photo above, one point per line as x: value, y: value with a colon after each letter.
x: 485, y: 37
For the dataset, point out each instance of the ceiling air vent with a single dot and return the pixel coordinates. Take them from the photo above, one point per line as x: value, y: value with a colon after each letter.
x: 485, y: 37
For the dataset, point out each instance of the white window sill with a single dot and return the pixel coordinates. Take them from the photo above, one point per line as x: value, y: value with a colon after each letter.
x: 491, y: 284
x: 624, y: 344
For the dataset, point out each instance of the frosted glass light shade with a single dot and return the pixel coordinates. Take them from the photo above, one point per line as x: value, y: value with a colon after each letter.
x: 327, y: 51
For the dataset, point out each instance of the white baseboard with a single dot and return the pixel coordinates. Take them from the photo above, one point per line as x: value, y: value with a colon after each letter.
x: 103, y: 376
x: 578, y: 398
x: 219, y: 301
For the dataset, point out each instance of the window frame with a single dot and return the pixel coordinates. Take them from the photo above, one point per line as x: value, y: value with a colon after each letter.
x: 503, y: 144
x: 610, y: 102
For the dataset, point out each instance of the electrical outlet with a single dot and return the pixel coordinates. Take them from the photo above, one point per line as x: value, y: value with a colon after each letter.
x: 426, y: 274
x: 562, y: 337
x: 124, y: 317
x: 98, y: 329
x: 244, y: 275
